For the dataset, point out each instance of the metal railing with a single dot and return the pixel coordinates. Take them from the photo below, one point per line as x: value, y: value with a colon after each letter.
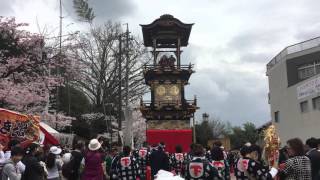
x: 311, y: 43
x: 169, y: 103
x: 183, y: 67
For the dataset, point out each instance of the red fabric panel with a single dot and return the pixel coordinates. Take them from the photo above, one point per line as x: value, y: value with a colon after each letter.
x: 49, y: 139
x: 171, y: 138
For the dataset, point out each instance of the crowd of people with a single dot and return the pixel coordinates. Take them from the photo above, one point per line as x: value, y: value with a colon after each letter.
x: 98, y: 161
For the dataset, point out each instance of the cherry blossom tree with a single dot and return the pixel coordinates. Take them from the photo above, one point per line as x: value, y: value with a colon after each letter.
x: 24, y: 69
x: 138, y: 127
x: 27, y: 71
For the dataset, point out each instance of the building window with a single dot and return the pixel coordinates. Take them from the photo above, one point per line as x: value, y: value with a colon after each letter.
x: 304, y: 107
x: 308, y: 70
x: 316, y: 103
x: 276, y: 116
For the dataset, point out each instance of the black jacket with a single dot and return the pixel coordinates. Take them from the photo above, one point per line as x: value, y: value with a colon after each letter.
x: 314, y: 156
x: 34, y: 170
x: 75, y: 162
x: 159, y: 160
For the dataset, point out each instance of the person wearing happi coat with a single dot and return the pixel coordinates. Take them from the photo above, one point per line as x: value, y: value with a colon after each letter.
x: 249, y: 167
x: 199, y: 168
x: 127, y: 167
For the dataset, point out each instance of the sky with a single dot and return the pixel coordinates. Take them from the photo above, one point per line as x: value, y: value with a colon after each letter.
x: 230, y: 44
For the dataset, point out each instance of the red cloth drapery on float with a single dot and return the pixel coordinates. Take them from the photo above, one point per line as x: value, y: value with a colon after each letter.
x: 171, y: 138
x: 48, y: 138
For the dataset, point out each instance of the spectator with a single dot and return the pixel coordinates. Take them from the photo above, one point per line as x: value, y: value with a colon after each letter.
x: 11, y: 144
x: 298, y: 166
x: 109, y: 157
x: 7, y: 155
x: 34, y: 169
x: 159, y: 160
x: 220, y: 163
x: 2, y: 158
x: 283, y: 155
x: 54, y: 163
x: 314, y: 155
x: 9, y: 170
x: 93, y: 160
x: 77, y: 156
x: 217, y: 144
x: 115, y: 159
x: 208, y: 152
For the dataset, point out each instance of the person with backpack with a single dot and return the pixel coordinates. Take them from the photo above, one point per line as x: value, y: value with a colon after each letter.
x: 71, y: 166
x: 54, y: 163
x: 35, y: 170
x: 9, y: 171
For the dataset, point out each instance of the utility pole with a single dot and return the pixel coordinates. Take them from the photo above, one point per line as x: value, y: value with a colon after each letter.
x: 119, y: 88
x: 128, y: 112
x: 127, y: 65
x: 194, y: 129
x: 60, y: 56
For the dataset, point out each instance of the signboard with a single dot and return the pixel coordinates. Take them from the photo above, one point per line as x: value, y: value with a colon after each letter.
x: 14, y: 125
x: 308, y: 88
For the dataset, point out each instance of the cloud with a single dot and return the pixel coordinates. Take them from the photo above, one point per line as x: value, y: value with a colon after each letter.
x: 6, y: 7
x: 308, y: 32
x: 235, y: 92
x: 230, y: 43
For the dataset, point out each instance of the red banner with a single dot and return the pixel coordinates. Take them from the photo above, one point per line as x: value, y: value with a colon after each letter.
x: 171, y: 138
x: 19, y: 126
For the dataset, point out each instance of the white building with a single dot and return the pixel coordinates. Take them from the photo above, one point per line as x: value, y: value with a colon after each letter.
x: 294, y: 90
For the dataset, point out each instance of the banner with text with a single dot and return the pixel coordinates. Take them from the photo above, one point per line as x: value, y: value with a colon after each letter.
x: 308, y: 88
x: 13, y: 125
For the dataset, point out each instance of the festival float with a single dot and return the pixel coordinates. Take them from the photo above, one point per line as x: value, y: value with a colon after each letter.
x: 168, y: 114
x: 25, y: 128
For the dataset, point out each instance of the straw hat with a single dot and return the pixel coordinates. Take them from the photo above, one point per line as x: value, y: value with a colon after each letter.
x: 94, y: 145
x: 55, y: 150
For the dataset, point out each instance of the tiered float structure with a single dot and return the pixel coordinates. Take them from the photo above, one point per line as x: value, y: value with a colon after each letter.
x: 168, y: 114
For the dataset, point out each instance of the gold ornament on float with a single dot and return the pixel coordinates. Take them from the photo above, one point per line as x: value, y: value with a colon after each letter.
x: 160, y: 90
x: 272, y: 145
x: 174, y: 90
